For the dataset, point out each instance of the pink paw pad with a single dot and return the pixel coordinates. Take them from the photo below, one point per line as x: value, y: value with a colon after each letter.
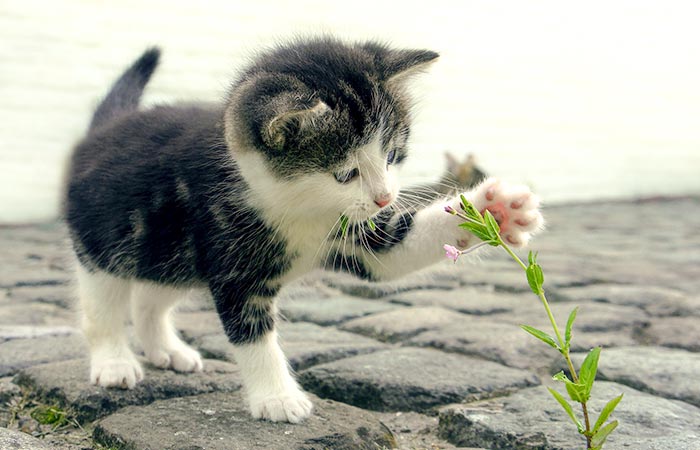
x: 500, y: 213
x: 514, y: 207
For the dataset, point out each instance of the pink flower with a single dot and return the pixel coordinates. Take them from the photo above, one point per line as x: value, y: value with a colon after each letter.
x: 451, y: 252
x: 450, y: 210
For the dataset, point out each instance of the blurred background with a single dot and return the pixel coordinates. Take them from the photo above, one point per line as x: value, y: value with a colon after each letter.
x: 583, y: 101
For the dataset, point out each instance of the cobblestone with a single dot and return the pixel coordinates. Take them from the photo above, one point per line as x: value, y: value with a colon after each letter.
x: 667, y: 372
x: 402, y: 351
x: 412, y: 379
x: 222, y: 422
x: 66, y: 383
x: 397, y: 325
x: 531, y: 420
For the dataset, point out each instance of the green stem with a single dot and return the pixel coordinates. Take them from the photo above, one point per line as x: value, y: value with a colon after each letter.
x: 556, y: 330
x: 565, y: 351
x: 512, y: 255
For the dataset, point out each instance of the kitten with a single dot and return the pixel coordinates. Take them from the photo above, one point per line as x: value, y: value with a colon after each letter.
x: 242, y: 197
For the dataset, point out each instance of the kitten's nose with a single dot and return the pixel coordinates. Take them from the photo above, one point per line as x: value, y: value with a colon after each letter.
x: 383, y: 200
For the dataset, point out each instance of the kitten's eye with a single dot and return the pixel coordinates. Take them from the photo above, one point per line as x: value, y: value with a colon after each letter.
x: 390, y: 157
x: 346, y: 177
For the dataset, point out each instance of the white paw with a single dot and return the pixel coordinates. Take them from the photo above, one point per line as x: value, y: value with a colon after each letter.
x: 515, y: 208
x: 180, y: 358
x: 122, y: 372
x: 291, y: 406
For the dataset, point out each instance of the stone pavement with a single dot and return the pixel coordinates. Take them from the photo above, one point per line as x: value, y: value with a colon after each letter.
x: 433, y: 361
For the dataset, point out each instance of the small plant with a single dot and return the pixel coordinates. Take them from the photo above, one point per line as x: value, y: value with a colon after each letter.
x: 579, y: 386
x: 345, y: 223
x: 51, y: 415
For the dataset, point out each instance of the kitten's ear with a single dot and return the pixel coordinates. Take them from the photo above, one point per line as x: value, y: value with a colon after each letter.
x: 452, y: 162
x: 399, y: 65
x: 289, y: 122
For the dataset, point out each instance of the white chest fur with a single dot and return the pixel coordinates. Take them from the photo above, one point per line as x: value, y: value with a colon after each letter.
x: 297, y: 209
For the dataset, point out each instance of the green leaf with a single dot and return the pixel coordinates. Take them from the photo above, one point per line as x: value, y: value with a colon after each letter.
x: 560, y: 376
x: 535, y: 278
x: 344, y: 221
x: 478, y: 230
x: 567, y: 407
x: 531, y: 258
x: 569, y: 325
x: 575, y: 390
x: 372, y: 225
x: 492, y: 225
x: 541, y: 335
x: 599, y: 438
x: 588, y: 371
x: 470, y: 210
x: 49, y: 415
x: 605, y: 413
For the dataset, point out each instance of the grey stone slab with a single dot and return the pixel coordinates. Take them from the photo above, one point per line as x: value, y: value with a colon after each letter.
x: 412, y: 379
x: 36, y: 314
x: 67, y: 384
x: 4, y: 296
x: 324, y: 310
x: 48, y: 232
x: 416, y: 431
x: 532, y: 420
x: 426, y: 279
x: 591, y: 317
x: 195, y: 324
x: 304, y: 344
x: 16, y: 440
x: 221, y: 421
x: 467, y: 300
x: 59, y: 295
x: 666, y: 372
x: 583, y: 341
x: 32, y: 274
x: 675, y: 332
x: 197, y: 300
x: 22, y: 353
x: 9, y: 332
x: 503, y: 343
x: 8, y: 389
x: 401, y: 324
x: 506, y: 280
x: 656, y: 300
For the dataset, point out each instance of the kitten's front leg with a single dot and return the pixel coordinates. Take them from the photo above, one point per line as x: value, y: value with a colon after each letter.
x: 415, y: 241
x: 272, y: 391
x: 249, y: 323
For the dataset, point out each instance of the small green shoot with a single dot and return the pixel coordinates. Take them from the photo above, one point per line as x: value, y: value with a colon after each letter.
x: 344, y: 221
x: 579, y: 387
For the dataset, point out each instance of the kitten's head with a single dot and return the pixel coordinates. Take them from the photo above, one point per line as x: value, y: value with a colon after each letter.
x: 325, y: 123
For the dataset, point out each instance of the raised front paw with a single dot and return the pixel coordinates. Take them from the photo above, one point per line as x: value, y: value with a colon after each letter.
x: 292, y: 406
x: 515, y: 208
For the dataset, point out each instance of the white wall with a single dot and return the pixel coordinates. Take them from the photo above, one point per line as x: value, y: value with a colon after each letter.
x: 582, y: 100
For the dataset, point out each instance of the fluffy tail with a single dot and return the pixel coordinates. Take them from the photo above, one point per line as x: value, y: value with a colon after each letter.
x: 126, y: 92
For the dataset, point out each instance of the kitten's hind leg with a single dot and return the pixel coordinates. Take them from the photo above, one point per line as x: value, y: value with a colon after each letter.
x: 151, y: 308
x: 104, y: 301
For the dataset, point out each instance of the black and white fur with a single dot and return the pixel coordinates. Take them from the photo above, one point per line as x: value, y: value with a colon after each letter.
x: 242, y: 197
